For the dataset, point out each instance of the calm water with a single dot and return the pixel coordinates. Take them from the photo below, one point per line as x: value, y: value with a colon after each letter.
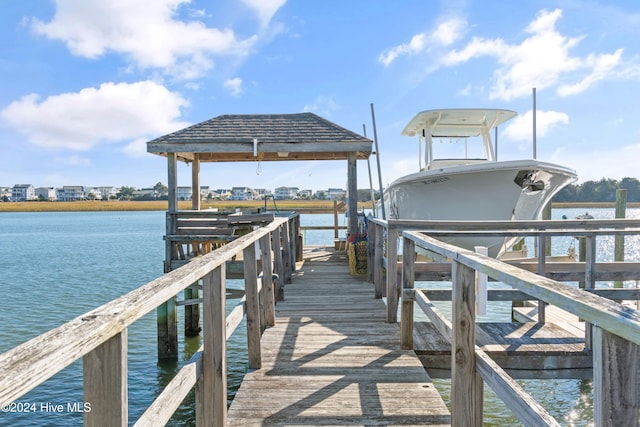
x: 56, y: 266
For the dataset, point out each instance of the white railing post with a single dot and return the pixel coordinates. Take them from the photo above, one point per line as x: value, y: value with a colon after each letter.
x: 104, y: 373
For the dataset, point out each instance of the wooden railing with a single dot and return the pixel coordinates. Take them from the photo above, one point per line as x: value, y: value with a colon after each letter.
x: 99, y: 337
x: 385, y: 275
x: 616, y: 328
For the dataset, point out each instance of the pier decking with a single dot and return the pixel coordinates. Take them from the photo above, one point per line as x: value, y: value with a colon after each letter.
x: 332, y: 358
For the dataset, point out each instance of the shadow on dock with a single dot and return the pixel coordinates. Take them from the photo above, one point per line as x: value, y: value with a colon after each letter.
x: 332, y: 359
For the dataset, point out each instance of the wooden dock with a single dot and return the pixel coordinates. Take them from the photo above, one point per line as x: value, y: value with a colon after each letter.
x: 332, y: 359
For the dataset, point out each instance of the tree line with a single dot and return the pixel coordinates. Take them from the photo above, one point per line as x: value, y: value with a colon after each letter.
x: 599, y: 191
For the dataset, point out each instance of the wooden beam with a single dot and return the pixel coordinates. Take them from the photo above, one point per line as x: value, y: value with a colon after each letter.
x: 392, y: 273
x: 616, y: 380
x: 214, y: 368
x: 253, y: 307
x: 466, y: 385
x: 172, y: 182
x: 352, y: 191
x: 267, y: 280
x: 105, y: 383
x: 406, y: 321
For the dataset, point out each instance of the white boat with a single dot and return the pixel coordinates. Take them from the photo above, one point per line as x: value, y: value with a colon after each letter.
x: 472, y: 188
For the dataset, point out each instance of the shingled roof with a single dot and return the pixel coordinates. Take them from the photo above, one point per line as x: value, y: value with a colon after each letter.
x: 230, y: 138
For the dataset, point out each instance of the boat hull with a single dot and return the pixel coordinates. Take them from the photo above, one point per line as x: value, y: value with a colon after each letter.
x: 509, y: 190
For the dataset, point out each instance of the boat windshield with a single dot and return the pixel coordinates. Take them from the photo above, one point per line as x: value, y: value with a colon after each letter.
x: 458, y: 148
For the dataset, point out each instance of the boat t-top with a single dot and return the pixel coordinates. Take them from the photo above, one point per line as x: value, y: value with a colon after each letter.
x: 472, y: 185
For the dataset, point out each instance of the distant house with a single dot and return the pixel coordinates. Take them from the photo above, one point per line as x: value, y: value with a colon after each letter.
x: 205, y: 192
x: 145, y: 193
x: 241, y: 193
x: 93, y: 193
x: 46, y: 193
x: 184, y: 193
x: 286, y: 193
x: 108, y: 192
x: 23, y: 192
x: 70, y: 193
x: 5, y: 193
x: 305, y: 194
x: 261, y: 193
x: 335, y: 193
x: 222, y: 193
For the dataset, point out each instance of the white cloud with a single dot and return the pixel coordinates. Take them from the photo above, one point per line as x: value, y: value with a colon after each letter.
x: 234, y: 86
x: 542, y: 60
x: 446, y: 33
x: 110, y: 113
x: 601, y: 66
x: 265, y: 9
x: 520, y: 128
x: 147, y: 32
x: 323, y: 105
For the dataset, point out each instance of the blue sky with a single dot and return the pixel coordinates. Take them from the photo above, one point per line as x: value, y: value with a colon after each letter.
x: 84, y: 84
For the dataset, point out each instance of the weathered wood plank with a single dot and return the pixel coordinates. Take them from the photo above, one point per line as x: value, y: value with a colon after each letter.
x: 331, y: 358
x: 105, y: 383
x: 616, y: 380
x: 466, y: 386
x: 253, y: 307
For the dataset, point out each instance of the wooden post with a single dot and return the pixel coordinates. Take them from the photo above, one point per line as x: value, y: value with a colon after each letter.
x: 267, y: 281
x: 335, y: 219
x: 616, y: 380
x: 253, y: 307
x: 167, y: 313
x: 621, y: 207
x: 371, y: 251
x: 104, y: 375
x: 294, y: 229
x: 546, y: 215
x: 286, y: 256
x: 352, y: 188
x: 167, y: 329
x: 466, y: 385
x: 192, y: 312
x: 543, y: 243
x: 214, y: 354
x: 378, y: 268
x: 172, y: 182
x: 392, y: 274
x: 408, y: 275
x: 195, y: 182
x: 278, y: 264
x: 589, y: 280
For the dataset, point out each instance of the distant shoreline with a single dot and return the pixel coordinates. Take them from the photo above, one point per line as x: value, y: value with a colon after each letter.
x: 161, y: 205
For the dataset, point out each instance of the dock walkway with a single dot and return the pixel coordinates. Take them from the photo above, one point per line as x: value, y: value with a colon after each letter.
x: 331, y: 359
